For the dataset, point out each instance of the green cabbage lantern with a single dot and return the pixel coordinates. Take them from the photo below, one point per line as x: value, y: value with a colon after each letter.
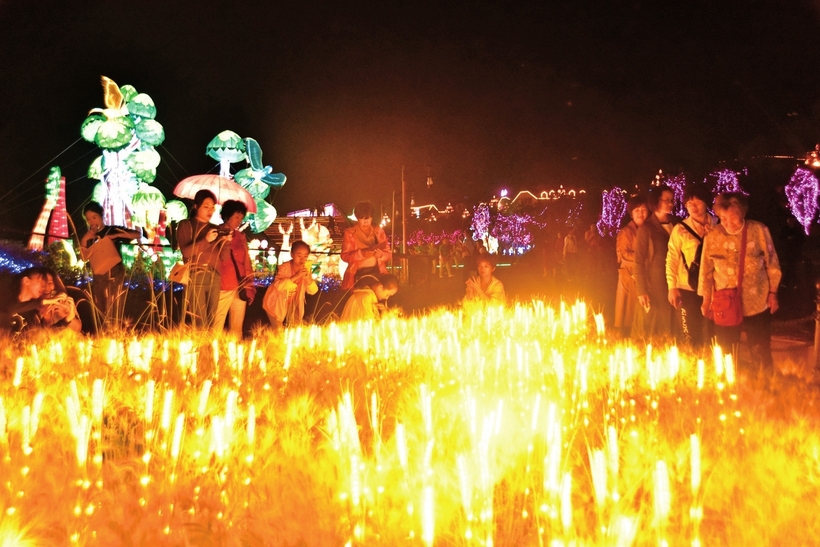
x: 114, y: 134
x: 175, y: 211
x: 150, y: 132
x: 128, y: 93
x: 145, y: 175
x: 143, y: 106
x: 227, y: 146
x: 95, y: 170
x: 90, y: 126
x: 100, y: 193
x: 143, y: 159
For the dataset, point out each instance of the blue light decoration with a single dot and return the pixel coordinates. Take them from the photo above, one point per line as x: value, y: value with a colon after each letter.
x: 726, y: 180
x: 802, y: 192
x: 15, y: 258
x: 613, y: 211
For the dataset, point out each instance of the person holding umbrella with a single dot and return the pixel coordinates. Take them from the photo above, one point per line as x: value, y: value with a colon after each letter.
x: 203, y: 248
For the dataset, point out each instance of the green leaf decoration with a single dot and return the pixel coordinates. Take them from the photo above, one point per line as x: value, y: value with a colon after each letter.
x: 226, y: 146
x: 248, y: 179
x: 263, y: 218
x: 143, y: 160
x: 143, y: 106
x: 150, y: 132
x: 90, y: 126
x: 145, y: 175
x: 175, y: 211
x: 148, y: 198
x: 114, y: 134
x: 128, y: 92
x: 95, y: 170
x: 100, y: 193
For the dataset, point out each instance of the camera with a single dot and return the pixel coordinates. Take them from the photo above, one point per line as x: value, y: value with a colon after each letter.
x: 222, y: 232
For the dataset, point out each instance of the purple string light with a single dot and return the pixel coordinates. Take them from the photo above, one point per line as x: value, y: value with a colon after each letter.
x: 726, y: 180
x: 612, y: 212
x: 677, y: 184
x: 802, y: 192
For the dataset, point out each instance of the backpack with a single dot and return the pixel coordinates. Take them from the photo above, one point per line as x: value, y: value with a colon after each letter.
x: 693, y: 269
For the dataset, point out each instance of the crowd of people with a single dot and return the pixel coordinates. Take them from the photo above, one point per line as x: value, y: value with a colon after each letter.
x: 699, y: 279
x: 218, y: 277
x: 694, y: 280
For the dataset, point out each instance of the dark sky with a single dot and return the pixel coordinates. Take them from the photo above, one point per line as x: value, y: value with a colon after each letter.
x: 340, y: 95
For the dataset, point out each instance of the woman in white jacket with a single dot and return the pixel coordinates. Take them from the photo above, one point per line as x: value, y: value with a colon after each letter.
x: 683, y: 264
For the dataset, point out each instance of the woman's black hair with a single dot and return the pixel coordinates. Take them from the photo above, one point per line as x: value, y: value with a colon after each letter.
x: 231, y: 207
x: 94, y: 207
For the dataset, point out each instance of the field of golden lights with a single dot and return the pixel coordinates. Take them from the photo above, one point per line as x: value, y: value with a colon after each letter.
x: 493, y: 427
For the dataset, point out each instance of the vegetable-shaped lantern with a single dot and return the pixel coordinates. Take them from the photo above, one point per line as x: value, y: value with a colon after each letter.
x: 127, y: 133
x: 226, y: 148
x: 258, y: 178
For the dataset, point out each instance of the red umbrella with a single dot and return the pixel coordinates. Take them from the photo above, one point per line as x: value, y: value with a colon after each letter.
x: 224, y: 189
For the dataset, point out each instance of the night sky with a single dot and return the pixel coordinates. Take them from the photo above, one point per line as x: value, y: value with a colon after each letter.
x: 340, y: 96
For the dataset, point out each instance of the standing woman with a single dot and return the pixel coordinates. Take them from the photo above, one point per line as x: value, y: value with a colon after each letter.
x: 653, y: 318
x: 236, y: 272
x: 626, y: 299
x: 761, y: 276
x: 682, y: 265
x: 364, y: 248
x: 202, y: 249
x: 101, y: 246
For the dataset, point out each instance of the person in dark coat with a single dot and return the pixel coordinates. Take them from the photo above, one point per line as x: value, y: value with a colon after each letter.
x: 653, y: 317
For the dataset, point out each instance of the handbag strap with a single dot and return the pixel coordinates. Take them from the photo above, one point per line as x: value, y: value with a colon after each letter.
x: 691, y: 231
x: 742, y: 261
x: 694, y: 233
x: 239, y: 277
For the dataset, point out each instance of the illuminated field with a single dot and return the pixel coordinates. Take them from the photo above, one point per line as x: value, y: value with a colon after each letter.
x: 481, y: 427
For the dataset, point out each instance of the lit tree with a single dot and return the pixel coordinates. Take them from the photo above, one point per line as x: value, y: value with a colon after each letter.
x: 726, y: 180
x: 514, y: 231
x: 127, y: 133
x: 612, y: 212
x: 677, y: 184
x: 482, y: 219
x: 802, y: 192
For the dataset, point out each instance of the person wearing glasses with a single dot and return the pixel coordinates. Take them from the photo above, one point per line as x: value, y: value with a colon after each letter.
x: 364, y: 248
x: 653, y: 316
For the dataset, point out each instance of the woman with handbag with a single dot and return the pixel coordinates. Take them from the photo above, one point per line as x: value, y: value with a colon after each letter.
x: 683, y: 267
x: 203, y: 248
x: 236, y: 271
x: 739, y: 276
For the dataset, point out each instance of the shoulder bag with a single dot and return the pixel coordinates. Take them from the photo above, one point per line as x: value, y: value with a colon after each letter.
x: 693, y: 269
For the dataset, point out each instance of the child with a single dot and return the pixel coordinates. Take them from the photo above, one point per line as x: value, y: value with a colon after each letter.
x: 285, y: 300
x: 364, y: 304
x: 484, y: 287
